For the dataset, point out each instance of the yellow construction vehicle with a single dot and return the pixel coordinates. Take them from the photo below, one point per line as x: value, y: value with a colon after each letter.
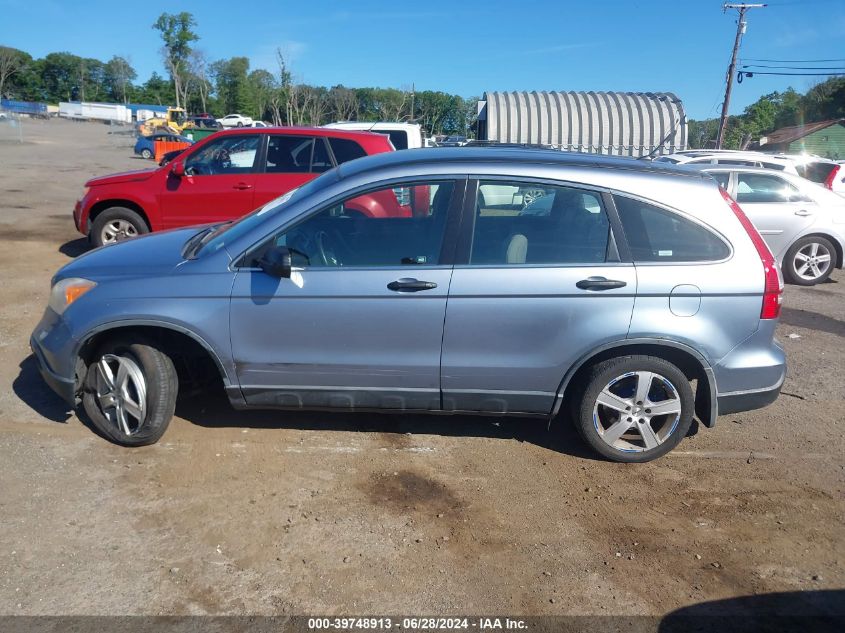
x: 176, y: 120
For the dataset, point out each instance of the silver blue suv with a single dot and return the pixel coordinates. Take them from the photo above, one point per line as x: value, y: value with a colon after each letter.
x: 627, y: 297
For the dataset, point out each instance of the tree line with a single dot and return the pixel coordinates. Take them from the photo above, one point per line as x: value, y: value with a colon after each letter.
x: 222, y: 86
x: 824, y: 101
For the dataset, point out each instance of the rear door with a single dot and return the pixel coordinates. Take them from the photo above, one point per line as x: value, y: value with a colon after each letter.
x: 218, y: 185
x: 777, y: 208
x: 535, y: 287
x: 292, y: 160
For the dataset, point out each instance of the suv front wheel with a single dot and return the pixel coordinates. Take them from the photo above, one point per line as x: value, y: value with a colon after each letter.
x: 635, y: 408
x: 117, y: 224
x: 130, y: 392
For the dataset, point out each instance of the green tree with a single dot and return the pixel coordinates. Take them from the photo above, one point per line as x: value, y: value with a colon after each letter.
x: 177, y: 33
x: 231, y: 80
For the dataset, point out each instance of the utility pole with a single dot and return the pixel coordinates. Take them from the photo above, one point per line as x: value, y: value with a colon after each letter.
x: 412, y: 101
x: 741, y: 25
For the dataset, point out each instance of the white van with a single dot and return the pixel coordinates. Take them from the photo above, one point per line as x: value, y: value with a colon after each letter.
x: 402, y: 135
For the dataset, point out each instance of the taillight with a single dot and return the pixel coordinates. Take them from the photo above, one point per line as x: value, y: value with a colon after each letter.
x: 773, y: 287
x: 831, y: 177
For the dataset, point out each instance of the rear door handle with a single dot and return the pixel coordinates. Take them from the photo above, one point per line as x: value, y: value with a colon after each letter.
x: 600, y: 283
x: 408, y: 284
x: 803, y: 212
x: 242, y: 185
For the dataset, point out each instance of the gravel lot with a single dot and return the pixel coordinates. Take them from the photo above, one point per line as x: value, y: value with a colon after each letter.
x: 277, y: 513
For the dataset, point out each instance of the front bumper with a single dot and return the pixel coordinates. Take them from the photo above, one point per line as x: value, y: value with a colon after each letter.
x: 53, y: 345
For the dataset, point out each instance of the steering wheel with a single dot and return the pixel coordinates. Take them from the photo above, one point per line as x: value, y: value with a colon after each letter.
x: 326, y: 250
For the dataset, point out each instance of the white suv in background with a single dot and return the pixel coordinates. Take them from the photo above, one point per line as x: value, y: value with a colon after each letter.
x: 730, y: 157
x: 402, y: 135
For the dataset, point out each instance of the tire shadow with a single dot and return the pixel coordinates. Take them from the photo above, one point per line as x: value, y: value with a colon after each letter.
x: 75, y: 248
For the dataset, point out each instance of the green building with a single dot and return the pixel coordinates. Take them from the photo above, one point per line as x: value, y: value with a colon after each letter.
x: 823, y: 138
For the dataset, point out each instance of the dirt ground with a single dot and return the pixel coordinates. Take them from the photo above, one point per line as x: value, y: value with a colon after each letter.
x: 277, y: 513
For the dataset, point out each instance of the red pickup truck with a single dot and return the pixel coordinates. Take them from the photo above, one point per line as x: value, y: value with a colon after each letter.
x: 225, y: 176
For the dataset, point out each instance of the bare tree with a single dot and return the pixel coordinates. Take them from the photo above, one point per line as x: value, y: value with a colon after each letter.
x: 198, y: 66
x: 279, y: 97
x: 344, y: 103
x: 11, y: 62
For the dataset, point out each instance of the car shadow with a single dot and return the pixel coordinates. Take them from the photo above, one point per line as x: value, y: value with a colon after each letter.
x: 812, y: 321
x: 30, y: 388
x: 822, y: 610
x: 75, y: 248
x: 214, y: 411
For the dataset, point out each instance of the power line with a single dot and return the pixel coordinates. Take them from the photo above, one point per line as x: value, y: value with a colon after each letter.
x: 794, y: 67
x: 751, y: 73
x: 792, y: 61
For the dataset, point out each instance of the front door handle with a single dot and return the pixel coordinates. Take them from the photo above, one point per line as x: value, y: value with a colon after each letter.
x: 242, y: 185
x: 600, y: 283
x: 408, y: 284
x: 803, y: 212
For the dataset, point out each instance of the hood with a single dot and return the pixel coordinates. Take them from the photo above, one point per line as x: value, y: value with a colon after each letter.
x: 143, y: 256
x: 126, y: 176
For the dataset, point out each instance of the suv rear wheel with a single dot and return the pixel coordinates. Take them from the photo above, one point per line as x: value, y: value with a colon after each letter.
x: 635, y: 408
x: 116, y: 224
x: 130, y: 392
x: 809, y: 261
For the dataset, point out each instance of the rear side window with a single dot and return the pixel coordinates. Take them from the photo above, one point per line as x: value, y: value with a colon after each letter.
x: 289, y: 154
x: 657, y: 235
x: 722, y: 177
x: 399, y: 138
x: 817, y: 172
x: 522, y: 223
x: 346, y: 150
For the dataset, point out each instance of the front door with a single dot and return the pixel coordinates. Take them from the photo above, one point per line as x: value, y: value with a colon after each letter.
x: 218, y: 185
x: 360, y: 322
x: 540, y: 285
x: 776, y: 208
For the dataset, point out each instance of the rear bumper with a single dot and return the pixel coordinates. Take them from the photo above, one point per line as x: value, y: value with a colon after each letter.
x: 751, y: 375
x: 748, y: 400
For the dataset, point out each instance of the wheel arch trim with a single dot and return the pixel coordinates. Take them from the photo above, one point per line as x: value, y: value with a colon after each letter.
x: 155, y: 323
x: 657, y: 342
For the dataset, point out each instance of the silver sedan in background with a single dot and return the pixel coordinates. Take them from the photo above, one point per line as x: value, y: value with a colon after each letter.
x: 802, y: 222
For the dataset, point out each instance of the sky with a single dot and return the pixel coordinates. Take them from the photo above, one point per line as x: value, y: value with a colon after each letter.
x: 465, y: 47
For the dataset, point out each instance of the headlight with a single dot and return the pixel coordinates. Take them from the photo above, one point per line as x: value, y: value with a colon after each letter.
x: 67, y: 291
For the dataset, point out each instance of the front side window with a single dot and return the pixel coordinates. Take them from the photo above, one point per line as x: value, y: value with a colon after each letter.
x: 397, y: 226
x: 762, y: 188
x: 525, y: 223
x: 225, y: 155
x: 658, y: 235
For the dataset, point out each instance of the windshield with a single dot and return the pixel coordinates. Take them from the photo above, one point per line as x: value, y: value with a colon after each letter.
x: 228, y: 233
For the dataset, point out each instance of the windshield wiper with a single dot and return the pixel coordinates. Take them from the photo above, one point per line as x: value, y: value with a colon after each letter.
x: 195, y: 241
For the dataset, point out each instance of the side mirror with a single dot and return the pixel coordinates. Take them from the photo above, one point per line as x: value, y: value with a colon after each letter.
x: 276, y: 262
x: 178, y: 169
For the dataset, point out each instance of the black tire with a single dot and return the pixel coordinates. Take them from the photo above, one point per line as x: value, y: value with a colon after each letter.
x: 621, y: 372
x: 161, y: 389
x: 145, y: 153
x: 117, y: 215
x: 790, y: 270
x: 240, y: 123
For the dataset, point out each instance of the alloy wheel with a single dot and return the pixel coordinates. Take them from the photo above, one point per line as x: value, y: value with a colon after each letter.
x: 812, y: 261
x: 121, y: 392
x: 118, y: 230
x: 637, y: 411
